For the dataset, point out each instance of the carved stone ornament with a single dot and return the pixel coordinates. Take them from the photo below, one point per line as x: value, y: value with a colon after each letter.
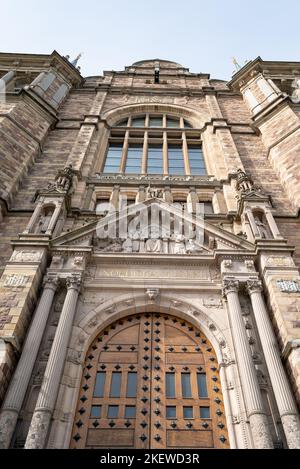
x: 112, y: 309
x: 152, y: 193
x: 153, y: 293
x: 249, y: 265
x: 176, y: 303
x: 73, y: 282
x: 63, y: 181
x: 246, y: 190
x: 26, y: 256
x: 230, y: 286
x: 38, y: 430
x: 212, y: 303
x: 78, y: 261
x: 260, y: 431
x: 236, y: 419
x: 18, y: 281
x: 254, y: 286
x: 7, y: 425
x: 228, y: 264
x: 51, y: 281
x: 244, y: 182
x: 288, y: 286
x: 292, y: 430
x: 275, y: 261
x: 74, y: 356
x: 296, y: 93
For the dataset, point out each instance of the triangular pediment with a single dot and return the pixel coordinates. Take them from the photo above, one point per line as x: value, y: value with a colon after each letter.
x: 164, y: 241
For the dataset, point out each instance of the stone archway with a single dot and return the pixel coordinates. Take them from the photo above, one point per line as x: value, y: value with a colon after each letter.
x: 150, y: 380
x: 87, y: 329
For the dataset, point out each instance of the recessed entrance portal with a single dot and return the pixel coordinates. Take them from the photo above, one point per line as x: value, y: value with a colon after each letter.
x: 150, y: 381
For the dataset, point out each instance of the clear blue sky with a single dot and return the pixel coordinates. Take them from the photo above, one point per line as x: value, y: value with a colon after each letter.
x: 201, y: 35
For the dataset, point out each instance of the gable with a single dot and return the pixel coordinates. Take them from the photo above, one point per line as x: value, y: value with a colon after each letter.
x: 153, y: 227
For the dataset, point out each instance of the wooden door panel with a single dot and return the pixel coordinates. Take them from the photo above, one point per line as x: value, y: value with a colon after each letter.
x: 109, y: 438
x: 123, y: 401
x: 189, y: 439
x: 129, y: 335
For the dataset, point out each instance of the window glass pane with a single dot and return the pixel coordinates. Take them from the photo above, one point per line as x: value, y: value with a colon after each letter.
x: 113, y: 158
x: 130, y: 412
x: 131, y: 385
x: 187, y: 125
x: 173, y: 122
x: 99, y: 386
x: 171, y: 412
x: 196, y: 161
x: 202, y: 386
x: 115, y: 386
x: 134, y: 159
x: 113, y: 411
x: 155, y: 122
x: 155, y: 159
x: 188, y: 412
x: 123, y: 123
x: 204, y: 412
x: 176, y: 161
x: 170, y: 385
x: 138, y: 122
x: 186, y: 385
x: 96, y: 411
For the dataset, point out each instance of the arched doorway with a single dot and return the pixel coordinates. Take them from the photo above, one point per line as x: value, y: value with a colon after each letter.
x: 150, y: 381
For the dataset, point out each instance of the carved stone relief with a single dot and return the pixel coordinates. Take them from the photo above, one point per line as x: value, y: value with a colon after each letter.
x: 274, y: 261
x: 213, y: 302
x: 288, y: 286
x: 26, y: 256
x: 177, y: 245
x: 18, y: 281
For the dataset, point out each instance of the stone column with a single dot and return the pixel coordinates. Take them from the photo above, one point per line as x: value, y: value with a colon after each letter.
x: 45, y: 405
x: 34, y: 218
x: 19, y: 383
x: 54, y: 218
x: 252, y: 395
x: 272, y: 224
x: 283, y: 395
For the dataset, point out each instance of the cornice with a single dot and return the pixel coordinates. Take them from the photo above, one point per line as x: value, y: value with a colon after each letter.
x: 205, y: 181
x: 171, y: 91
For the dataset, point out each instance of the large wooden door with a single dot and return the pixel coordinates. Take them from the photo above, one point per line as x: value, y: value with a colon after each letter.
x: 150, y: 381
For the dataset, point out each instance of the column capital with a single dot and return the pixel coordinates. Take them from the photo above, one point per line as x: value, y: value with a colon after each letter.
x: 254, y: 286
x: 50, y: 282
x: 230, y: 286
x: 73, y: 282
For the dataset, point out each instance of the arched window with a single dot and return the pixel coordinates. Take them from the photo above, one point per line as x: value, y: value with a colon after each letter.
x: 159, y: 144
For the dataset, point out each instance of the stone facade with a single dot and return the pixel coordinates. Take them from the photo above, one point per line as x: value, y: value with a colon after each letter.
x: 62, y: 283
